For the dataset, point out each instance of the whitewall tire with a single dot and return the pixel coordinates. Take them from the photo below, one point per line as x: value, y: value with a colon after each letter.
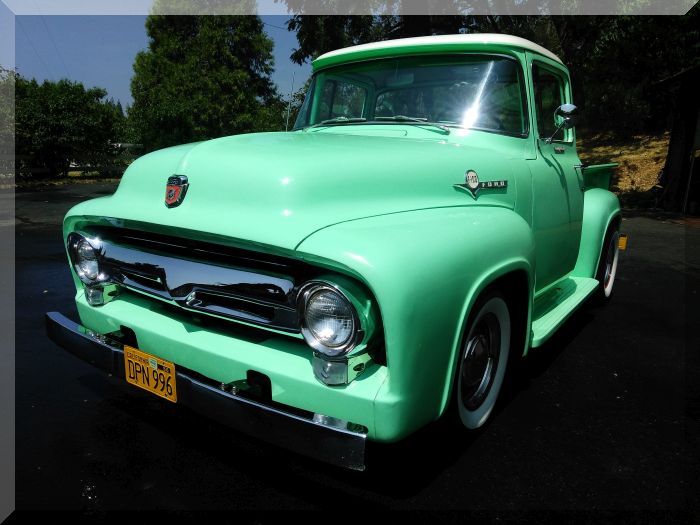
x: 607, y: 267
x: 483, y: 359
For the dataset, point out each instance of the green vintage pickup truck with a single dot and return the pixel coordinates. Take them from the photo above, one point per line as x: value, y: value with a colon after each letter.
x: 425, y: 223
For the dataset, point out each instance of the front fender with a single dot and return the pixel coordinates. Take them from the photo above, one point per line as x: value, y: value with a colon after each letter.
x: 600, y: 209
x: 425, y: 268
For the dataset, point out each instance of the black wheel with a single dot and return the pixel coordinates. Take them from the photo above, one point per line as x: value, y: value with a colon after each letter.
x: 483, y: 359
x: 607, y: 266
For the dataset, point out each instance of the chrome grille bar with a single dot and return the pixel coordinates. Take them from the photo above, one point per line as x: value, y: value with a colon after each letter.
x: 263, y: 298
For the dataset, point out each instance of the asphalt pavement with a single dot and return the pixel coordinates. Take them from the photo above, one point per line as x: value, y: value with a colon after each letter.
x: 604, y: 417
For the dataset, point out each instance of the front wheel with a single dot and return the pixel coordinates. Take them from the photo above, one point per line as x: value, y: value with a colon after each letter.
x: 483, y: 359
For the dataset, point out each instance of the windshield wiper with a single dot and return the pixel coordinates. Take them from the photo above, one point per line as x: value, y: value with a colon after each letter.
x: 381, y: 120
x: 336, y: 121
x: 403, y: 118
x: 413, y: 120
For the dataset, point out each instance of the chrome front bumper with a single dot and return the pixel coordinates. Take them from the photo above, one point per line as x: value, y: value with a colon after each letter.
x: 306, y: 436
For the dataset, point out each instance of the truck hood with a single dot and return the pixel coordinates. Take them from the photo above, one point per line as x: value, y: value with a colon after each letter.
x: 278, y: 188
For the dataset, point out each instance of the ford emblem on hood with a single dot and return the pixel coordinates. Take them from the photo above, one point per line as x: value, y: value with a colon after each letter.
x: 175, y: 190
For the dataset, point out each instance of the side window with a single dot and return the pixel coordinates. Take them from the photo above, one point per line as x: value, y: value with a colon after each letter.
x: 549, y: 95
x: 341, y: 99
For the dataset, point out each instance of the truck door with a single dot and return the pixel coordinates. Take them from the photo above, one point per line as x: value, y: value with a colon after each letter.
x: 556, y: 181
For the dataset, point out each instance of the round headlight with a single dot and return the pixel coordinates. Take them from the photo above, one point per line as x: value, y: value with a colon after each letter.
x: 329, y: 322
x: 86, y: 260
x: 84, y: 257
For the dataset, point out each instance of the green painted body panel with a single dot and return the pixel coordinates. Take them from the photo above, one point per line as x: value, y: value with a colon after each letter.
x: 224, y: 358
x: 426, y: 268
x: 557, y: 192
x: 376, y: 205
x: 274, y: 189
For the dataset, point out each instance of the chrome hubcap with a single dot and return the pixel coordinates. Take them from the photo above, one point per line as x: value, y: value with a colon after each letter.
x: 480, y: 360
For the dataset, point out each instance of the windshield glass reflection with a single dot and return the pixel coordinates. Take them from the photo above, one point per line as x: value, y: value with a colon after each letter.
x: 468, y: 91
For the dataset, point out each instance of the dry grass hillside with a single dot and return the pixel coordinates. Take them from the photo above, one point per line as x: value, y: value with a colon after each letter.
x: 641, y: 159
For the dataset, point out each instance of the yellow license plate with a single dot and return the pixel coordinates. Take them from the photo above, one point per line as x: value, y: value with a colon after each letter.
x: 150, y: 373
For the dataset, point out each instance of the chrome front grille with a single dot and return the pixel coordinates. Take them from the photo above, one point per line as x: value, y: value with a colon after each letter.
x: 203, y: 282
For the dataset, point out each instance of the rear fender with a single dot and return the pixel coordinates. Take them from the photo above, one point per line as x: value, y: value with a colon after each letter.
x: 600, y: 209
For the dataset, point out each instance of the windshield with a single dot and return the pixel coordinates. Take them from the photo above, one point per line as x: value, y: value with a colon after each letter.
x: 470, y: 91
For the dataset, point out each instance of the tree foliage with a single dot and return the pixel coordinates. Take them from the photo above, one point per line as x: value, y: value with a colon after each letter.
x: 203, y: 77
x: 7, y: 121
x: 204, y: 7
x: 318, y: 34
x: 615, y: 61
x: 295, y: 101
x: 63, y: 123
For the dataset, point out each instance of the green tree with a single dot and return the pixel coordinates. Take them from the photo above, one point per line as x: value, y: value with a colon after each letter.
x: 7, y: 121
x: 60, y: 123
x: 294, y: 103
x: 203, y: 77
x: 318, y: 34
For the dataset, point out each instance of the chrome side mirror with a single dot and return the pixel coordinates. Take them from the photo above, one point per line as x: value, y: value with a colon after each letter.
x: 568, y: 113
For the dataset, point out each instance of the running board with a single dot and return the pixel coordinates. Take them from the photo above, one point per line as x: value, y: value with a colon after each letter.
x: 555, y: 306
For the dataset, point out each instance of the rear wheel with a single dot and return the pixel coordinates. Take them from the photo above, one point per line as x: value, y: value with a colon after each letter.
x: 607, y: 267
x: 483, y: 359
